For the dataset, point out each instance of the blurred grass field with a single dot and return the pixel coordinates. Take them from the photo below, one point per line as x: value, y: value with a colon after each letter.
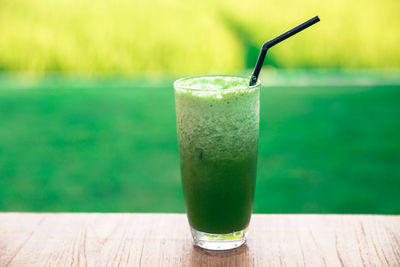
x: 87, y: 118
x: 110, y: 145
x: 142, y: 37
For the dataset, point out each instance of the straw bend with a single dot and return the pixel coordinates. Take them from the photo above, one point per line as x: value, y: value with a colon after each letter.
x: 267, y: 45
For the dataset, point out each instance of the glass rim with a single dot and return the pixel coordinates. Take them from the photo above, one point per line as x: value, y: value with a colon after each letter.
x: 177, y: 82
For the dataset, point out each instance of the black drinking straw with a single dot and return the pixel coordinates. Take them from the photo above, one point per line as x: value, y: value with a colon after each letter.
x: 276, y: 40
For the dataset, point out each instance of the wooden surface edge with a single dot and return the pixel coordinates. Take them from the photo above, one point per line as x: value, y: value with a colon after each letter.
x: 163, y: 239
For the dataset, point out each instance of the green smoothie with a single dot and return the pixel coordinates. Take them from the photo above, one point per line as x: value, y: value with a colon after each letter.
x: 218, y: 125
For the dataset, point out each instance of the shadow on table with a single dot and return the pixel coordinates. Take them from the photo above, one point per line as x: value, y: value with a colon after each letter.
x: 236, y: 257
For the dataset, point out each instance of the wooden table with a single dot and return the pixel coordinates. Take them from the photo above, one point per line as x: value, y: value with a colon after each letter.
x: 98, y: 239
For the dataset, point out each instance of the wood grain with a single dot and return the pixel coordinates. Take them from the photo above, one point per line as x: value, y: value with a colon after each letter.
x: 93, y: 239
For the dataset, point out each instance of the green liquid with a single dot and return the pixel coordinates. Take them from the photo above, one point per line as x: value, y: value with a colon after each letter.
x: 218, y: 125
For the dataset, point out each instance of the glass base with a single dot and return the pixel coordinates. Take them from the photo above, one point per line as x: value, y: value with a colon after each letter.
x: 219, y: 241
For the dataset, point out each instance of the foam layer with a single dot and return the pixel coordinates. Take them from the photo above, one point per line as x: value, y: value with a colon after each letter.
x: 217, y: 118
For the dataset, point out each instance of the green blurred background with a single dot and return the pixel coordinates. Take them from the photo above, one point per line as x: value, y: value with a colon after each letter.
x: 87, y: 118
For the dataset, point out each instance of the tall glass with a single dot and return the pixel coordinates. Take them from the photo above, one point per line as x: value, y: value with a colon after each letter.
x: 218, y: 126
